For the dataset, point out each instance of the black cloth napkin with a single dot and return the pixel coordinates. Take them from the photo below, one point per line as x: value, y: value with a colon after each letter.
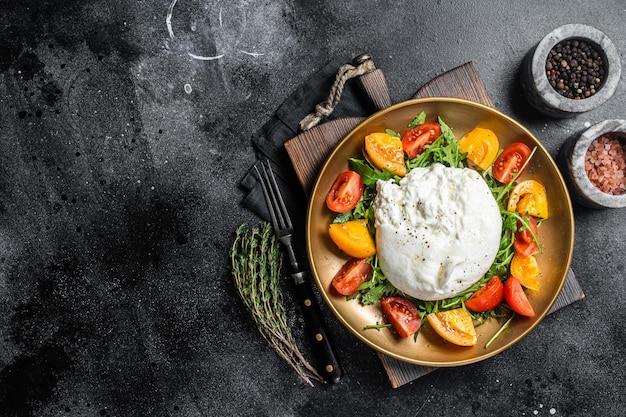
x: 284, y: 125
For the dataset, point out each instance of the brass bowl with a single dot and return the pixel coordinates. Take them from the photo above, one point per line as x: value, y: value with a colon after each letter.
x: 556, y: 233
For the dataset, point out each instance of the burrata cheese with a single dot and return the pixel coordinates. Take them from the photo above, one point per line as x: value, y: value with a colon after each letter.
x: 437, y: 232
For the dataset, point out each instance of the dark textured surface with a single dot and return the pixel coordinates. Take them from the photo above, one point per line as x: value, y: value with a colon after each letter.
x: 119, y: 199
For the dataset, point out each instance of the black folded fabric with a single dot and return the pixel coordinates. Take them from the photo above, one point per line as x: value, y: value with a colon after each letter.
x: 284, y: 125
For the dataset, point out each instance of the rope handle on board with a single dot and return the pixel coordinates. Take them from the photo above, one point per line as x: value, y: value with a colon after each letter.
x: 360, y: 65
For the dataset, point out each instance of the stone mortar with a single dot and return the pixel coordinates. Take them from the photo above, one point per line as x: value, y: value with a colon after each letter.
x: 572, y: 159
x: 536, y: 87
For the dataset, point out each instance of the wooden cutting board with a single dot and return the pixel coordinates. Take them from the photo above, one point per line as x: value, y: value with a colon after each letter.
x: 309, y: 150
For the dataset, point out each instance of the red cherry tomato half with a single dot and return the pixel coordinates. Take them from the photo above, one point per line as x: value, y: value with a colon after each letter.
x: 488, y: 297
x: 402, y: 315
x: 524, y: 242
x: 352, y: 274
x: 516, y: 298
x: 345, y: 192
x: 510, y: 161
x: 415, y: 140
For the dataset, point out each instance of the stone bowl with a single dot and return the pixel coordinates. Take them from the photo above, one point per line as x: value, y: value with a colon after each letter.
x: 571, y: 159
x: 543, y: 96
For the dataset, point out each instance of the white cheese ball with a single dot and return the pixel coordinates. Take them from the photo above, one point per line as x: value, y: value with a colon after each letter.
x: 437, y: 232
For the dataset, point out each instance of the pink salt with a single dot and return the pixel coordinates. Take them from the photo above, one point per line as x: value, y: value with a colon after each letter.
x: 605, y: 163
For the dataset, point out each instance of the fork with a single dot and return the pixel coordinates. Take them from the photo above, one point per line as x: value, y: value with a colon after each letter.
x: 283, y: 228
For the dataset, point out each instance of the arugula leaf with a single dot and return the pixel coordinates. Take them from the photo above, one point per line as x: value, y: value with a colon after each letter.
x: 343, y: 217
x: 418, y: 120
x: 458, y: 301
x: 444, y: 150
x: 369, y: 175
x: 500, y: 266
x: 503, y: 328
x: 392, y: 133
x: 377, y: 286
x: 377, y: 292
x: 378, y: 326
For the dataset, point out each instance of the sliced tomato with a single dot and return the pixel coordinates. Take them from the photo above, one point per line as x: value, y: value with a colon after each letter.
x: 525, y: 243
x: 529, y: 197
x: 415, y: 140
x: 516, y: 298
x: 345, y: 192
x: 402, y: 315
x: 455, y: 326
x: 488, y: 297
x: 385, y: 151
x: 353, y: 238
x: 352, y: 274
x: 510, y: 162
x: 526, y: 270
x: 481, y: 146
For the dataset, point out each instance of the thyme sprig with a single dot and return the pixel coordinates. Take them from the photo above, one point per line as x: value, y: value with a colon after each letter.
x: 256, y: 262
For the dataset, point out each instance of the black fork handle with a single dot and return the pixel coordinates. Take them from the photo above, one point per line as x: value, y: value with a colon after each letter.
x: 322, y: 344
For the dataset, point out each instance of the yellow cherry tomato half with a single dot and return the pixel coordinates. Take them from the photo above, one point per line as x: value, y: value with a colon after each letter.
x: 481, y: 145
x: 455, y: 326
x: 526, y: 270
x: 353, y: 238
x: 530, y: 197
x: 385, y: 151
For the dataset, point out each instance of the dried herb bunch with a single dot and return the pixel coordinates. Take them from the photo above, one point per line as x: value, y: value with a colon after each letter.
x: 256, y: 260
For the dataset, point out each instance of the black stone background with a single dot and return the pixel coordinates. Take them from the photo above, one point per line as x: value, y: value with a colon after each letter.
x: 119, y: 198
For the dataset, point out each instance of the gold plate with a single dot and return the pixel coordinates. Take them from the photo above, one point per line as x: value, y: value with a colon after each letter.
x: 556, y: 234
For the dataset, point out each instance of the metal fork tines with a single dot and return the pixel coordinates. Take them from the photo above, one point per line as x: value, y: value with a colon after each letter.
x: 278, y: 211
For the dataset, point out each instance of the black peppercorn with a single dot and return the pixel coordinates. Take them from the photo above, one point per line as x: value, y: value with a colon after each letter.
x: 575, y: 69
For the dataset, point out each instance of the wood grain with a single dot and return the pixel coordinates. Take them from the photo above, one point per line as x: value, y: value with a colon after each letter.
x: 374, y: 84
x: 309, y: 149
x: 461, y: 82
